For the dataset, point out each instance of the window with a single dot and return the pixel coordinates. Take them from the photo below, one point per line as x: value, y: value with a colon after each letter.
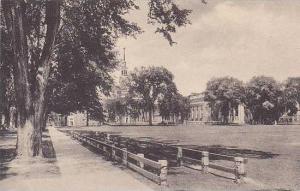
x: 71, y: 121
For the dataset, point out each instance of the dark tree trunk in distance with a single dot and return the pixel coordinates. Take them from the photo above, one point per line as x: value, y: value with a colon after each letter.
x: 87, y: 118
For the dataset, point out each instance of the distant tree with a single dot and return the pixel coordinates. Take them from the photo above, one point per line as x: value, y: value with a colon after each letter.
x: 292, y: 95
x: 183, y: 107
x: 174, y: 105
x: 264, y: 98
x: 223, y: 94
x: 33, y: 28
x: 7, y: 94
x: 151, y: 84
x: 135, y: 106
x: 116, y: 108
x: 167, y: 106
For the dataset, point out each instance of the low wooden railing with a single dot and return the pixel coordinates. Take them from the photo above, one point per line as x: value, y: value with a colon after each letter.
x: 238, y: 168
x: 200, y: 158
x: 156, y: 171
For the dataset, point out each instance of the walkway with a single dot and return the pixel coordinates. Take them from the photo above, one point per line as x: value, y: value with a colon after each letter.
x: 79, y: 169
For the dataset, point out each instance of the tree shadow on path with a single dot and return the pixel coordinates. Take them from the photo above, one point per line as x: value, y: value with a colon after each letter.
x: 9, y: 166
x: 7, y: 152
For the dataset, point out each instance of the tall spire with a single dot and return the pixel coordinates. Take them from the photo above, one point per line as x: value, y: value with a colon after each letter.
x: 124, y: 58
x: 124, y: 67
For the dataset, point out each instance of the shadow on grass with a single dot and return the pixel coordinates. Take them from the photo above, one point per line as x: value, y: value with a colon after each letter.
x: 233, y: 151
x: 280, y: 189
x: 8, y: 132
x: 156, y: 149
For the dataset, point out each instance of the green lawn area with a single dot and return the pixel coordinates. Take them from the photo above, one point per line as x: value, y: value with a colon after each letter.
x: 273, y: 151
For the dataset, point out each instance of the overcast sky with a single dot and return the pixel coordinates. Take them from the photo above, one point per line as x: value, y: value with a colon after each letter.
x: 227, y: 38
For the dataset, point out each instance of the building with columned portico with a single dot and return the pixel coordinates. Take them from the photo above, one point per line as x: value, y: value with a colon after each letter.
x: 201, y: 112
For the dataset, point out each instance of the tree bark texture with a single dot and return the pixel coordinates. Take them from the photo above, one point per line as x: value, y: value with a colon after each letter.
x: 87, y: 118
x: 29, y: 100
x: 150, y: 116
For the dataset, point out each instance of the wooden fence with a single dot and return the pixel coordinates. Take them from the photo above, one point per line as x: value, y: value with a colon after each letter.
x: 156, y: 171
x: 238, y: 168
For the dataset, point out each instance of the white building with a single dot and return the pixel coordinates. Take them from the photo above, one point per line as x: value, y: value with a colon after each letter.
x: 201, y: 112
x: 285, y: 119
x: 119, y: 92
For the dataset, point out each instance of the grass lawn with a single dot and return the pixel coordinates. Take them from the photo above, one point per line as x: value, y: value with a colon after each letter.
x: 273, y: 151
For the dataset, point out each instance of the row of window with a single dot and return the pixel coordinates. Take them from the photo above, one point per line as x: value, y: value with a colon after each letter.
x: 197, y: 113
x: 124, y: 72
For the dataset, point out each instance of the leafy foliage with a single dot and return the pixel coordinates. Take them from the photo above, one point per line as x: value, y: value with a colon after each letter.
x: 265, y: 99
x: 292, y: 95
x: 223, y: 94
x: 151, y: 84
x: 174, y: 105
x: 116, y: 108
x: 84, y: 32
x: 85, y: 52
x: 168, y: 15
x: 84, y: 48
x: 7, y: 94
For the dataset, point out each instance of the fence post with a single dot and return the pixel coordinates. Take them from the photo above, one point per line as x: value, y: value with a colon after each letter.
x: 205, y: 161
x: 108, y: 137
x: 239, y: 169
x: 113, y: 152
x: 141, y: 163
x: 163, y: 172
x: 106, y: 155
x: 124, y: 154
x: 179, y: 156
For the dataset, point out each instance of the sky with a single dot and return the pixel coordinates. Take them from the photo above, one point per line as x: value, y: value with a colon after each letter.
x: 239, y: 38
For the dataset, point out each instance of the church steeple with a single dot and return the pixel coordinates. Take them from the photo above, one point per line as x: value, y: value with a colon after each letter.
x: 124, y: 54
x: 124, y: 67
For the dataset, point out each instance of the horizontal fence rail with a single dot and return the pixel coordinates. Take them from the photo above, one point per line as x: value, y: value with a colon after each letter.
x: 238, y: 169
x: 156, y: 171
x: 239, y: 163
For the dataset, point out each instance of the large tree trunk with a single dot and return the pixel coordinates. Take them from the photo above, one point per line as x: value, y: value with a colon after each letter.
x: 29, y: 95
x: 0, y: 121
x: 29, y: 137
x: 12, y: 117
x: 6, y: 118
x: 44, y: 120
x: 87, y: 118
x: 150, y: 116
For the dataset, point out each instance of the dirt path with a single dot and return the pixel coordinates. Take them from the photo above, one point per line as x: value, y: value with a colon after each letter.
x: 77, y: 169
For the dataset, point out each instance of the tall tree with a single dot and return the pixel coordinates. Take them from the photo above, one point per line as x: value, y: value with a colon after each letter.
x: 292, y: 95
x: 174, y: 105
x: 30, y: 73
x: 116, y: 108
x: 33, y: 28
x: 223, y: 94
x: 264, y: 97
x: 151, y: 84
x: 6, y: 80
